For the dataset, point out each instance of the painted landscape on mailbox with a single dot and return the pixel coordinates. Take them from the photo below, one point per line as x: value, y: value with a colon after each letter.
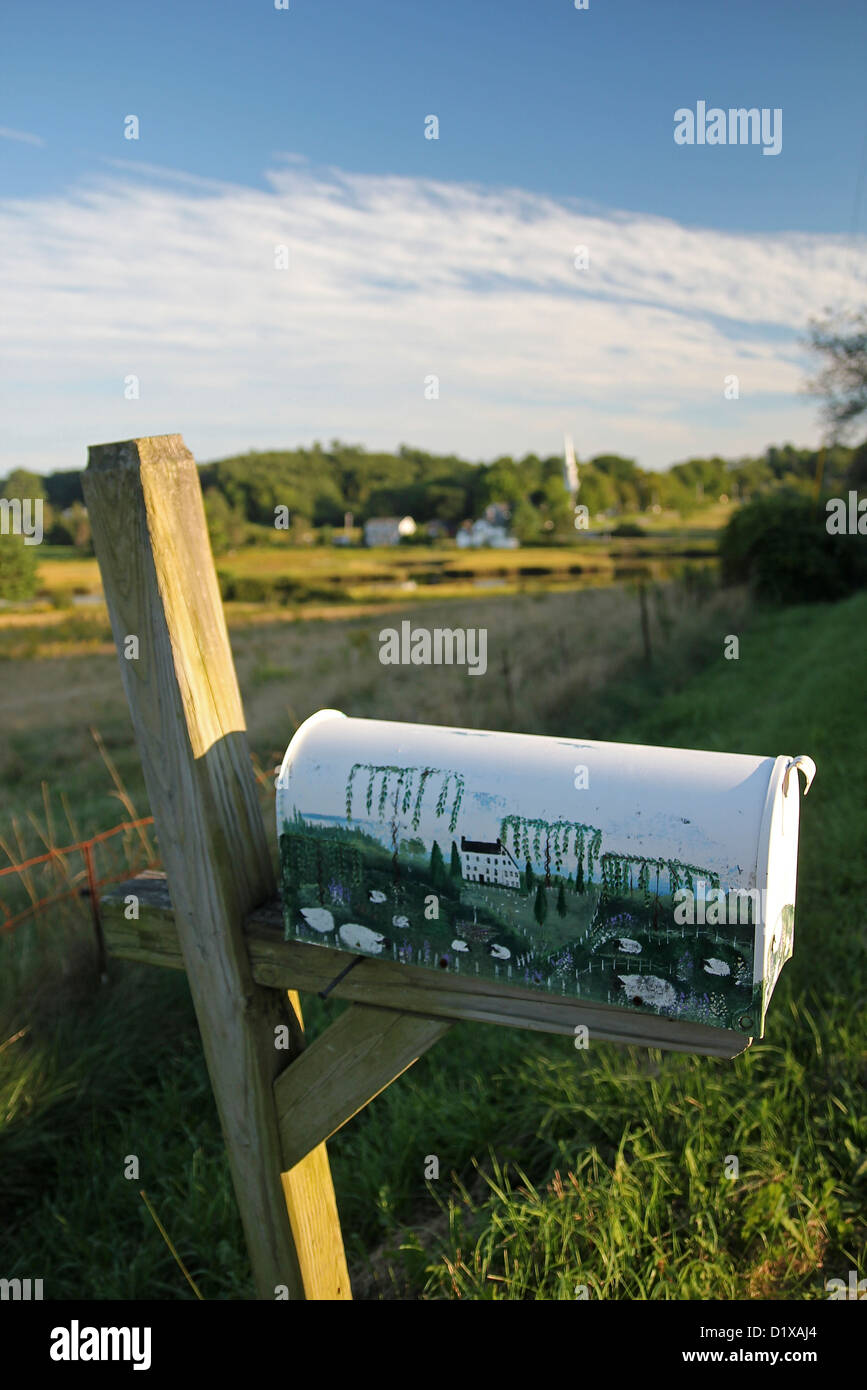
x: 405, y: 874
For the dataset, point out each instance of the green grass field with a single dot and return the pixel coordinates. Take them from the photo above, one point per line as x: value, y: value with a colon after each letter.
x: 559, y: 1170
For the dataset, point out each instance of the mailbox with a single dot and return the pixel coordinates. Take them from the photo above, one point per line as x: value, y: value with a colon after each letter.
x: 654, y: 880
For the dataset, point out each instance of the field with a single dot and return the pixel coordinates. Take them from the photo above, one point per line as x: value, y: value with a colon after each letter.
x: 320, y: 575
x: 558, y: 1168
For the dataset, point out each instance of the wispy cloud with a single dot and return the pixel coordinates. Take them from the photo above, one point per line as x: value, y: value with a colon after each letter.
x: 392, y: 280
x: 24, y: 136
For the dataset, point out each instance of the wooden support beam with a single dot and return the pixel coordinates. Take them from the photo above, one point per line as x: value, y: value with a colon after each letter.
x: 145, y: 505
x: 413, y: 989
x: 357, y: 1056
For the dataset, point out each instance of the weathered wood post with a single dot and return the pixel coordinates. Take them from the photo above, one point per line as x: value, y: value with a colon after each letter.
x: 145, y: 504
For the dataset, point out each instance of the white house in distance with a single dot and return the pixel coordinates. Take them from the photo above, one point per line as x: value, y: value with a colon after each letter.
x: 483, y: 862
x: 388, y: 530
x: 490, y: 530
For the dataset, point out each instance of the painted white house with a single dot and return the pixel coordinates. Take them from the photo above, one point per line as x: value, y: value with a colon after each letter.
x: 483, y: 862
x: 388, y: 530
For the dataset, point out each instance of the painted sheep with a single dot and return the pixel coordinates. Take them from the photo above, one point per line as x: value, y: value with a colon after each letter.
x: 318, y: 918
x: 649, y: 989
x: 359, y: 938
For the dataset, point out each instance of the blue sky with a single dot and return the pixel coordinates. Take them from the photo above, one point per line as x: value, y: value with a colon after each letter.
x: 411, y: 257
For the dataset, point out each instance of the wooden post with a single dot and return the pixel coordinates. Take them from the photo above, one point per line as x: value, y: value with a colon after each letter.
x: 145, y: 504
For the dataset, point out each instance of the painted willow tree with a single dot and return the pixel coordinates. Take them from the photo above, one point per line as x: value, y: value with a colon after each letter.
x: 530, y: 834
x: 553, y: 841
x: 401, y: 790
x: 627, y: 873
x: 624, y: 873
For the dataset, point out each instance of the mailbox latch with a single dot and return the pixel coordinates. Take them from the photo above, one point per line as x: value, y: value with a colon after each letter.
x: 805, y: 765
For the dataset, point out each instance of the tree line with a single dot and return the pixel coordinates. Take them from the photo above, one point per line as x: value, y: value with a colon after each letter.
x: 319, y: 485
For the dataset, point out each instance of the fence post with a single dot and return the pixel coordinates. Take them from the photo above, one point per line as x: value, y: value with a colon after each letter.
x: 93, y: 894
x: 148, y: 521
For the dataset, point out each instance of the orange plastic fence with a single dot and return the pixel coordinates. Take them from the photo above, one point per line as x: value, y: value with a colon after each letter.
x: 85, y: 848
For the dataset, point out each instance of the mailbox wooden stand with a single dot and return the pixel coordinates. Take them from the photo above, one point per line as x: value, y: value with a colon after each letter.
x: 216, y: 914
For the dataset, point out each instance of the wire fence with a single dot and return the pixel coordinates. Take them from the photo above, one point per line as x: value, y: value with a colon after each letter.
x: 85, y: 882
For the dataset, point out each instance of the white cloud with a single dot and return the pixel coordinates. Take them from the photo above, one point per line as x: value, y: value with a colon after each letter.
x: 24, y: 136
x: 172, y: 278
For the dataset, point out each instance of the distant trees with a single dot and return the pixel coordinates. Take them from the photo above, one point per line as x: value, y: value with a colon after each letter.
x: 319, y: 484
x: 526, y: 522
x: 22, y: 483
x: 71, y: 527
x: 856, y: 475
x: 226, y: 525
x: 64, y: 516
x: 18, y: 562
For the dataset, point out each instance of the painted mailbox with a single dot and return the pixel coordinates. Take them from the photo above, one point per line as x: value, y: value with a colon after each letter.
x: 660, y: 880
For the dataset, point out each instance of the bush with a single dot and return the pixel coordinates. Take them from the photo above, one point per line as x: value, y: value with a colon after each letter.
x: 629, y: 528
x: 779, y: 544
x: 279, y: 589
x: 18, y: 566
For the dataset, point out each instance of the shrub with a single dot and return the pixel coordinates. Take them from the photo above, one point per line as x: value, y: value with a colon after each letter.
x: 249, y: 588
x: 780, y: 545
x: 18, y: 566
x: 629, y: 528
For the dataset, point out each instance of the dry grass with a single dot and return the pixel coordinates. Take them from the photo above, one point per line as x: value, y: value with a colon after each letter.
x: 545, y: 654
x: 542, y: 649
x: 77, y: 574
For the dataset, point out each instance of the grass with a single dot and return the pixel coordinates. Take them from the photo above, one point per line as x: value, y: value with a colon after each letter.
x: 558, y: 1168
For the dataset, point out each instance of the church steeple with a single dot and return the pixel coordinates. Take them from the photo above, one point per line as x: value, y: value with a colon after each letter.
x: 570, y: 467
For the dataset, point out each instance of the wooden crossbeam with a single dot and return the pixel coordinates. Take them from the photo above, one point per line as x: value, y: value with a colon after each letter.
x: 411, y: 989
x: 327, y: 1083
x: 339, y: 1073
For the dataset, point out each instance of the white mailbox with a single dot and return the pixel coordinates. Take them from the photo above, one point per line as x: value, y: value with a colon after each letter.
x: 656, y: 880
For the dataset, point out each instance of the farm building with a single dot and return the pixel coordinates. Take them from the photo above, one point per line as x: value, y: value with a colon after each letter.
x: 483, y: 862
x: 474, y: 535
x: 388, y: 530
